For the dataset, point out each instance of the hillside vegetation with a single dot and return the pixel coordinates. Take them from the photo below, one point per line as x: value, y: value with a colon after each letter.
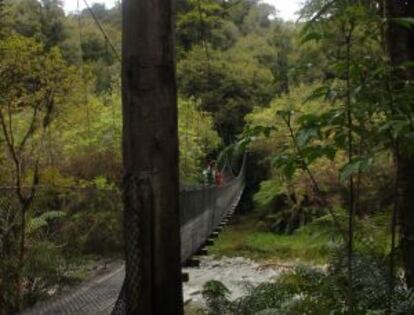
x: 324, y: 106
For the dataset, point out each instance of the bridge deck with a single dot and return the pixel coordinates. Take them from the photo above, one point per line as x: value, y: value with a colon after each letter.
x: 96, y: 297
x: 99, y: 295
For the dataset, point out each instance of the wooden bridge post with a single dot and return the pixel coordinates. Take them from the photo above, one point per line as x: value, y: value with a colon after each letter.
x: 150, y: 156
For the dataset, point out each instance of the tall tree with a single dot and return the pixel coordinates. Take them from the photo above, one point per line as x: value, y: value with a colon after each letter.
x: 52, y: 22
x: 24, y: 17
x: 3, y: 19
x: 32, y: 84
x: 150, y: 156
x: 401, y: 50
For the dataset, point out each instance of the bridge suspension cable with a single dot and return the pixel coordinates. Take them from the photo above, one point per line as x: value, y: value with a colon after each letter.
x: 105, y: 35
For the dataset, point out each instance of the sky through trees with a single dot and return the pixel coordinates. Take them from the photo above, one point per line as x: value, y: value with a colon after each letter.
x: 286, y: 9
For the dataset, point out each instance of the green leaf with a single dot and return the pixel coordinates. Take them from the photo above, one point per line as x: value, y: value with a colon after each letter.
x: 37, y: 223
x: 407, y: 22
x: 258, y: 131
x: 306, y: 134
x: 284, y: 114
x: 407, y: 65
x: 316, y: 36
x: 287, y: 164
x: 313, y: 153
x: 309, y: 120
x: 330, y: 152
x: 397, y: 128
x: 333, y: 117
x: 358, y: 164
x: 320, y: 92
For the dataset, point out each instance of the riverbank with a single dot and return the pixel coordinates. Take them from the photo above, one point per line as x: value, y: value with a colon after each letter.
x: 238, y: 274
x: 244, y: 237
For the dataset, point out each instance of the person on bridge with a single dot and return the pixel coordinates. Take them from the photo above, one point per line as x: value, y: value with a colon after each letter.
x: 218, y: 176
x: 209, y: 173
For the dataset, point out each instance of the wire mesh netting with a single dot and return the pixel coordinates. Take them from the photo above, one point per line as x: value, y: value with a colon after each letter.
x: 60, y: 223
x: 202, y: 208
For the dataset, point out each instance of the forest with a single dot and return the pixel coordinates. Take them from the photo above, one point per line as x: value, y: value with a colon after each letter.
x: 324, y: 106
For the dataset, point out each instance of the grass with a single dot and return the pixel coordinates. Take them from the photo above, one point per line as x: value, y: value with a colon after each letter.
x: 244, y: 238
x: 310, y: 244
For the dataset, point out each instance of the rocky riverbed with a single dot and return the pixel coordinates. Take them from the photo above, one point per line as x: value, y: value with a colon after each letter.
x: 97, y: 295
x: 236, y: 273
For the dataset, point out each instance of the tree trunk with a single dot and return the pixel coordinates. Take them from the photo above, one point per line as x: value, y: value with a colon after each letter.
x: 401, y: 50
x: 150, y: 156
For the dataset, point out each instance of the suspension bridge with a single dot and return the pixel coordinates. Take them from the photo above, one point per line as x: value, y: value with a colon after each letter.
x: 204, y: 210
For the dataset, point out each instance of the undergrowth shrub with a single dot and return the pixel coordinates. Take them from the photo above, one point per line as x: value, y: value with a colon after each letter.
x: 67, y: 228
x: 216, y: 294
x: 322, y: 291
x: 92, y: 221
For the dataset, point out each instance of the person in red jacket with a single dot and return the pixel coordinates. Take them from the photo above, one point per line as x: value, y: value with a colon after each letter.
x: 218, y: 176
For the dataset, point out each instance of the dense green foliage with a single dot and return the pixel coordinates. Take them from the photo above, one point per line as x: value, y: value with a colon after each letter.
x: 321, y: 105
x: 60, y: 110
x: 309, y: 290
x: 334, y: 142
x: 229, y: 58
